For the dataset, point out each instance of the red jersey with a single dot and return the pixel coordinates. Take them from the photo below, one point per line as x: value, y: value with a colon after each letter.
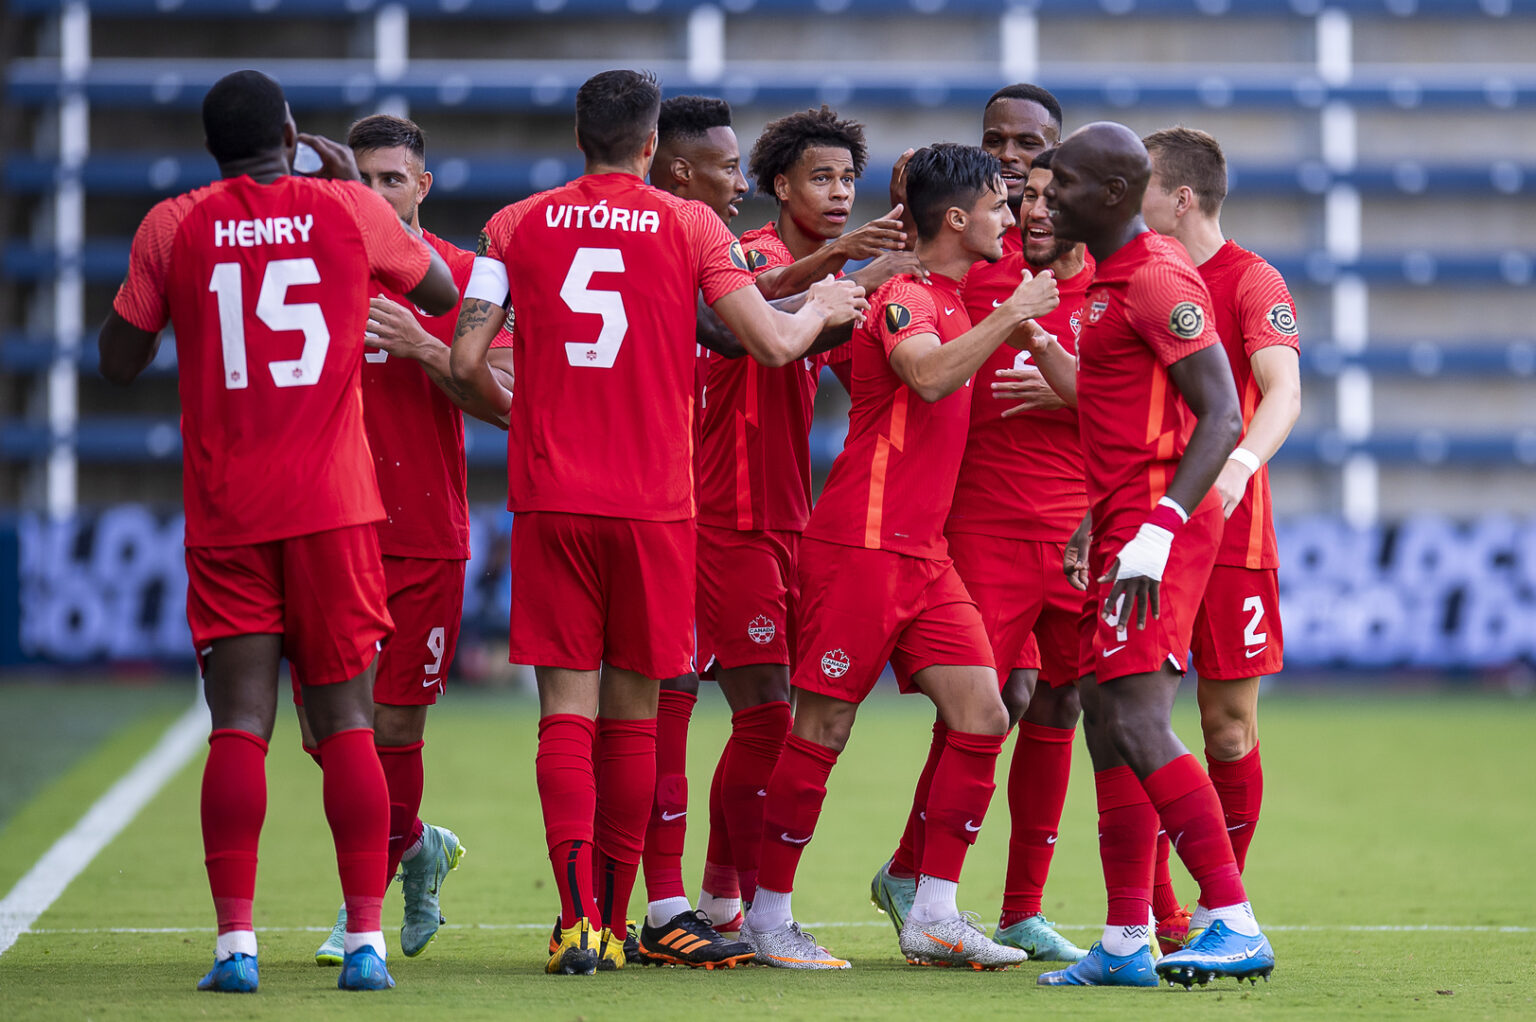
x: 417, y: 437
x: 1253, y: 310
x: 754, y: 450
x: 603, y: 274
x: 891, y: 486
x: 267, y: 287
x: 1022, y: 477
x: 1146, y: 309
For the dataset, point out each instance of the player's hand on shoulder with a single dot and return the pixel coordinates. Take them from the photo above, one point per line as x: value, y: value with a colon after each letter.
x: 1036, y: 295
x: 336, y: 160
x: 1026, y: 386
x: 840, y: 301
x: 887, y: 234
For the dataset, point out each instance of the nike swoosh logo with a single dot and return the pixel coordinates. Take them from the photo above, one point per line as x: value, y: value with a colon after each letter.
x: 1116, y: 968
x: 761, y: 793
x: 948, y: 311
x: 997, y: 303
x: 429, y: 683
x: 1239, y: 826
x: 973, y: 829
x: 1250, y: 654
x: 669, y: 817
x: 784, y: 836
x: 1051, y: 840
x: 1111, y: 651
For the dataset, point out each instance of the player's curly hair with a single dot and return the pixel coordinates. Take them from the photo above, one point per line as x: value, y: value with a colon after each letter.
x: 690, y: 117
x: 784, y: 141
x: 944, y: 175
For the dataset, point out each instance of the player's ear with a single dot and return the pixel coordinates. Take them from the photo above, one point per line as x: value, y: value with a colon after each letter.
x: 1184, y: 202
x: 955, y: 218
x: 781, y: 187
x: 1115, y: 190
x: 423, y: 185
x: 681, y: 170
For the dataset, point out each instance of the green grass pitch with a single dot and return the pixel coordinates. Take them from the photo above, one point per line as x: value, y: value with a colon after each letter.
x: 1393, y: 871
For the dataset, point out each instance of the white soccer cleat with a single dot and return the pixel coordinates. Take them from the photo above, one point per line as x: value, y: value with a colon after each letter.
x: 958, y: 940
x: 788, y: 947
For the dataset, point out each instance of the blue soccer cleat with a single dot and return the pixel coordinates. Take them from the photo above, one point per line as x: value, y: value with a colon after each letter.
x: 1219, y: 952
x: 363, y: 969
x: 893, y: 895
x: 1037, y: 935
x: 1102, y: 969
x: 234, y: 975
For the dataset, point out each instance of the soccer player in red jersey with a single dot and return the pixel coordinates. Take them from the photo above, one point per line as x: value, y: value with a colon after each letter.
x: 1238, y: 638
x: 602, y: 276
x: 811, y: 161
x: 1158, y: 415
x: 1019, y: 496
x: 875, y: 576
x: 265, y: 277
x: 416, y: 435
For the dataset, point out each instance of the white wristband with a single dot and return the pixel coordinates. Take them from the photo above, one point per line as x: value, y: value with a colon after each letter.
x: 1146, y: 554
x: 1246, y: 458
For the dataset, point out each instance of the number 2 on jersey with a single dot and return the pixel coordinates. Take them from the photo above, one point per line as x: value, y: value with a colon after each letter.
x: 278, y: 315
x: 578, y: 297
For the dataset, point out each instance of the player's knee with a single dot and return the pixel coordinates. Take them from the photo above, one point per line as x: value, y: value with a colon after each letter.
x: 1055, y: 707
x: 1230, y: 738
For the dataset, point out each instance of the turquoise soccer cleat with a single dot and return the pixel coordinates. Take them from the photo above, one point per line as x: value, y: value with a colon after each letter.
x: 234, y: 975
x: 422, y: 879
x: 893, y: 895
x: 1102, y: 969
x: 334, y: 949
x: 363, y: 969
x: 1217, y: 953
x: 1037, y: 935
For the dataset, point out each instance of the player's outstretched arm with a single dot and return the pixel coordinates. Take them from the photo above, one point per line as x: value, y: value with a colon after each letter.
x: 1277, y: 371
x: 393, y: 328
x: 777, y: 338
x: 875, y: 238
x: 936, y: 370
x: 1204, y: 378
x: 124, y: 350
x: 469, y: 372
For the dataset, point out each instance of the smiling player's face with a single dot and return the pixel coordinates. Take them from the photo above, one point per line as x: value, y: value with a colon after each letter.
x: 1016, y: 131
x: 818, y: 190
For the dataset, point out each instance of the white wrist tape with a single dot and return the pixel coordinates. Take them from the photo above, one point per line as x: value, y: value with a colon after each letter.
x: 1246, y: 458
x: 1146, y: 555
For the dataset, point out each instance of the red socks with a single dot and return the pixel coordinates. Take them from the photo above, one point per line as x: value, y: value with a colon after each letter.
x: 1191, y: 814
x: 357, y: 808
x: 568, y: 794
x: 795, y: 795
x: 234, y: 805
x: 626, y: 787
x: 1165, y: 900
x: 404, y: 775
x: 1127, y: 831
x: 909, y: 852
x: 668, y: 825
x: 1037, y: 791
x: 719, y: 859
x: 1240, y: 786
x: 757, y: 740
x: 957, y: 801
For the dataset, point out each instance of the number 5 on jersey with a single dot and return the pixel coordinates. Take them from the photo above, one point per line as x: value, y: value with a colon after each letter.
x: 578, y: 297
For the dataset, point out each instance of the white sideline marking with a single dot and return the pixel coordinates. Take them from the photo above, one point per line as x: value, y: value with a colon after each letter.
x: 809, y: 926
x: 113, y: 811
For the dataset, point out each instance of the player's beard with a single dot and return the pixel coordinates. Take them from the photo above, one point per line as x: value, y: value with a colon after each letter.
x: 1059, y: 248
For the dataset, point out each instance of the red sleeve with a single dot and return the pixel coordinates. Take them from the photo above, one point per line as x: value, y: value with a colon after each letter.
x: 722, y: 263
x: 504, y: 337
x: 906, y: 310
x: 496, y: 240
x: 1168, y: 306
x: 765, y: 251
x: 142, y: 299
x: 396, y: 259
x: 1265, y: 309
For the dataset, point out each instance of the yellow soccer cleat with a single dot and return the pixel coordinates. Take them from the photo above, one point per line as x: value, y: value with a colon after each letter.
x: 574, y: 951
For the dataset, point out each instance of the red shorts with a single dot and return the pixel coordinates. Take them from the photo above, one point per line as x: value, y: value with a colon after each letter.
x: 1031, y: 611
x: 748, y: 593
x: 1237, y: 632
x: 589, y: 590
x: 426, y: 599
x: 324, y: 593
x: 1111, y: 651
x: 860, y: 609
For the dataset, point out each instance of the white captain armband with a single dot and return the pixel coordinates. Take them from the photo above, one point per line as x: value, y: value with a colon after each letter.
x: 488, y: 281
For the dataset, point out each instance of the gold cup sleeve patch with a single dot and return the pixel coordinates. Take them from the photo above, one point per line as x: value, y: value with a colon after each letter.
x: 756, y: 260
x: 1283, y: 319
x: 897, y: 317
x: 483, y: 243
x: 1187, y: 320
x: 738, y: 257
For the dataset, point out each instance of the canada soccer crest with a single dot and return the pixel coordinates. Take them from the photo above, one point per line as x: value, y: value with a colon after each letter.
x: 1096, y: 308
x: 1076, y: 323
x: 835, y: 663
x: 761, y: 630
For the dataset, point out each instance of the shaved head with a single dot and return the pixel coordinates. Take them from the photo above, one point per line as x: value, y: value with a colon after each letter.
x: 1098, y: 177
